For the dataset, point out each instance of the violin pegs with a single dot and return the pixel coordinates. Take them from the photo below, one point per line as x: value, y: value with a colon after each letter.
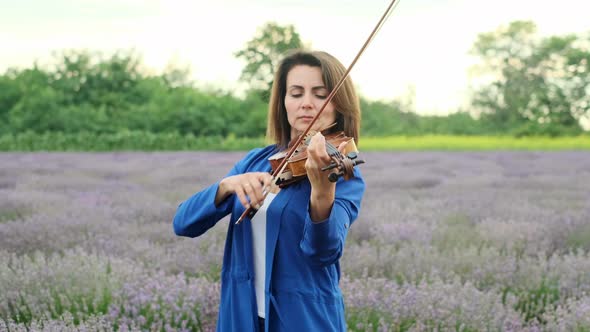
x: 333, y: 177
x: 332, y: 165
x: 352, y: 155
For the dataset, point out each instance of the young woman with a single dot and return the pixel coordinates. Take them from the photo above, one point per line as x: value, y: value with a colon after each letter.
x: 281, y: 268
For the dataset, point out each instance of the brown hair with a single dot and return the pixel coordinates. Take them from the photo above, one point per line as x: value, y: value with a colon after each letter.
x: 346, y: 102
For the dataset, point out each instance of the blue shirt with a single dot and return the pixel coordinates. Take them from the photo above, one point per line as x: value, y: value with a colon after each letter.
x: 302, y: 257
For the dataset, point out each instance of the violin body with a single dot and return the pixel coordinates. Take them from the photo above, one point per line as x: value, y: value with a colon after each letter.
x: 295, y: 170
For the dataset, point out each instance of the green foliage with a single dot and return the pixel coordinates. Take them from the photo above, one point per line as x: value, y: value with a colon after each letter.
x: 123, y: 141
x: 13, y: 213
x: 579, y: 238
x: 82, y: 290
x: 536, y: 86
x: 175, y: 141
x: 473, y: 143
x: 534, y: 302
x: 457, y: 232
x: 263, y: 53
x: 86, y: 93
x: 364, y: 320
x: 396, y: 118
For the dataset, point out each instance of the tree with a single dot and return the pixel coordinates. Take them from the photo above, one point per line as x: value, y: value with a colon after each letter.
x: 537, y: 85
x: 263, y: 53
x: 90, y: 78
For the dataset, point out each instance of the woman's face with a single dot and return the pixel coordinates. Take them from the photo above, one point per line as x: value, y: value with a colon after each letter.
x: 306, y: 94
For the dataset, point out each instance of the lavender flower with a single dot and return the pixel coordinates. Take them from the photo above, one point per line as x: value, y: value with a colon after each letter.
x: 487, y: 241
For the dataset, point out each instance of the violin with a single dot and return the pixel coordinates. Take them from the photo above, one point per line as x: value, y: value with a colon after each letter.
x: 289, y: 166
x: 342, y: 163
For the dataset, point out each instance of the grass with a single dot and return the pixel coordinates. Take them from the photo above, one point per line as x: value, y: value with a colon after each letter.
x: 145, y: 141
x: 476, y: 143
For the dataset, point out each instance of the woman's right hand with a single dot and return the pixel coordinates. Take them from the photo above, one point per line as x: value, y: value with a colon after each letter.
x: 248, y: 187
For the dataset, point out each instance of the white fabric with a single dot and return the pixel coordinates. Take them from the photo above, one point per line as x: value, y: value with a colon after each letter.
x: 259, y: 248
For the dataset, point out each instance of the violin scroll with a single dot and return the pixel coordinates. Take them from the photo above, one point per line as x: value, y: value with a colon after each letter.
x: 344, y: 167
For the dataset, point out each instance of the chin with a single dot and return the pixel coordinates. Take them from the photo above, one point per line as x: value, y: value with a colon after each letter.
x: 298, y: 129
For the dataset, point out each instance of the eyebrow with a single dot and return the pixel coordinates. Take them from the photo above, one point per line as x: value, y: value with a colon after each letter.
x: 313, y: 88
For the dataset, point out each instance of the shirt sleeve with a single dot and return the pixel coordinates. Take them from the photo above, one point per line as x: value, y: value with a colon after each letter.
x: 198, y: 213
x: 323, y: 242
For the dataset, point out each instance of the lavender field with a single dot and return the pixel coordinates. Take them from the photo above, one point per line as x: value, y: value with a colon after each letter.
x: 457, y: 241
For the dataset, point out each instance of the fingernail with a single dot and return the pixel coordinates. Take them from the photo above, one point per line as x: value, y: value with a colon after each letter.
x: 257, y: 206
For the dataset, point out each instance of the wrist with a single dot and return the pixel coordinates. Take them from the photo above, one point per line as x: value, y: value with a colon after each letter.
x: 322, y: 192
x: 320, y: 204
x: 221, y: 192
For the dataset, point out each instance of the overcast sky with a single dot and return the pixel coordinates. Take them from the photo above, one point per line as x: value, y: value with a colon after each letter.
x: 423, y: 47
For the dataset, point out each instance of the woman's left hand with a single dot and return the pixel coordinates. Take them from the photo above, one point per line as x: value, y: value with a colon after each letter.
x: 322, y: 190
x: 317, y: 157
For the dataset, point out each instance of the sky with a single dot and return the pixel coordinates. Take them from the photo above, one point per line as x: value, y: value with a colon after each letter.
x: 422, y: 51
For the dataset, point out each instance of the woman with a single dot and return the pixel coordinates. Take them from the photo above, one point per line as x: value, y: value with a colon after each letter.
x: 281, y: 269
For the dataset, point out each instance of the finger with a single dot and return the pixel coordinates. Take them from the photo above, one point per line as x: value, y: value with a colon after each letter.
x: 242, y: 197
x: 247, y: 187
x: 254, y: 188
x: 317, y: 140
x: 317, y: 150
x: 314, y: 144
x: 266, y: 180
x: 311, y: 164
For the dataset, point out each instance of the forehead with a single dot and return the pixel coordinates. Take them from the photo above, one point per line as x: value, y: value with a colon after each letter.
x: 303, y: 75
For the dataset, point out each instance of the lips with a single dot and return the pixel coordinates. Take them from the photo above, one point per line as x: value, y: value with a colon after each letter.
x: 306, y: 117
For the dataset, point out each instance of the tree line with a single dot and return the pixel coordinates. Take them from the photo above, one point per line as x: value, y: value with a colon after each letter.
x: 531, y: 86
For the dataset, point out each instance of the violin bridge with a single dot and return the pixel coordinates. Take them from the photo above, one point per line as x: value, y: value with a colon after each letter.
x: 284, y: 177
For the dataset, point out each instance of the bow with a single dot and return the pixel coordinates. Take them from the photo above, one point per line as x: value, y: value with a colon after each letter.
x: 275, y: 175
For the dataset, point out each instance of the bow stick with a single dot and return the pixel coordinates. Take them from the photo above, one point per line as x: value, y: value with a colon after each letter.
x: 251, y: 211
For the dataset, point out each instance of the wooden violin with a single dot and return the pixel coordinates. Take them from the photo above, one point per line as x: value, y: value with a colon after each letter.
x: 342, y: 162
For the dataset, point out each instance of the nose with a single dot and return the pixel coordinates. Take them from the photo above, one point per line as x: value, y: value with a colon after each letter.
x: 307, y: 102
